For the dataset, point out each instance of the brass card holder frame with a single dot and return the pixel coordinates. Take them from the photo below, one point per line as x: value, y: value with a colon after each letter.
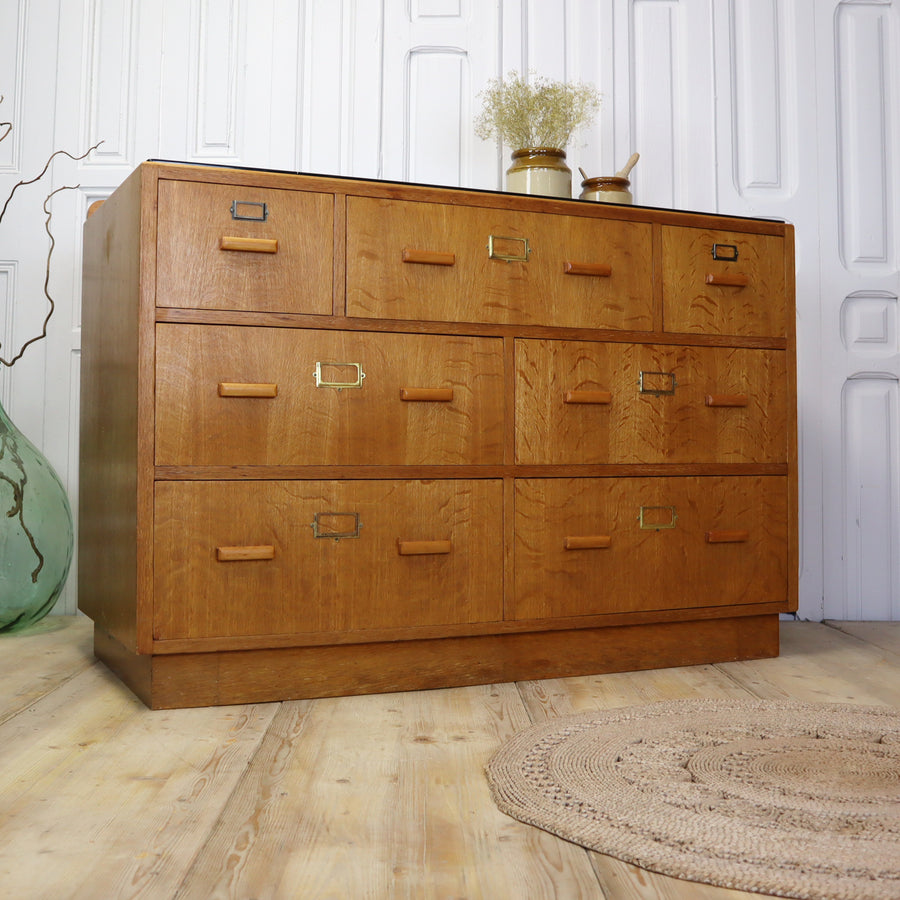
x: 657, y: 392
x: 261, y: 216
x: 648, y: 526
x: 320, y: 531
x: 339, y: 385
x: 508, y: 257
x: 725, y: 252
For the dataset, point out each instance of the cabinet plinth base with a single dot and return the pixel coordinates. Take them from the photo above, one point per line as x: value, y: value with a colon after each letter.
x: 258, y: 676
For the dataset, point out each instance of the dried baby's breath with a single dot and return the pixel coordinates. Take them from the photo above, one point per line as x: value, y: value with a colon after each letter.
x: 539, y: 113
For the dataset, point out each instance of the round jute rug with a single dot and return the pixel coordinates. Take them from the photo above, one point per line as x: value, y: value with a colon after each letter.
x: 790, y: 799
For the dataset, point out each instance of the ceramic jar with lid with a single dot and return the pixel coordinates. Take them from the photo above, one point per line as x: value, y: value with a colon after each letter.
x: 608, y: 189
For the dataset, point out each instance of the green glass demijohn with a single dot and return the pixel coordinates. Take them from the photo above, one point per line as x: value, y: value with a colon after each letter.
x: 36, y: 533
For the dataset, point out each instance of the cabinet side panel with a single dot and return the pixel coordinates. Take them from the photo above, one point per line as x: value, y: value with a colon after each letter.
x: 794, y: 561
x: 107, y: 519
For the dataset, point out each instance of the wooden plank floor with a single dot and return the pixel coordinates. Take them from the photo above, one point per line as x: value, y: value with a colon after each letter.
x: 352, y: 798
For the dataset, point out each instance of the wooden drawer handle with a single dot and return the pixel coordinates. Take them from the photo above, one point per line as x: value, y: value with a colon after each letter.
x: 428, y: 257
x: 241, y: 554
x: 252, y: 245
x: 727, y: 537
x: 598, y: 270
x: 423, y: 548
x: 588, y: 542
x: 241, y: 389
x: 727, y: 400
x: 724, y: 280
x: 601, y: 397
x: 427, y: 395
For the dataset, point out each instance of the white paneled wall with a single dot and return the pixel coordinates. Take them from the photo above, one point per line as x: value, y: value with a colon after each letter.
x: 859, y: 285
x: 785, y: 108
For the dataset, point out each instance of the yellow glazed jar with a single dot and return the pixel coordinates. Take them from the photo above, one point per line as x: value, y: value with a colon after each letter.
x: 540, y: 170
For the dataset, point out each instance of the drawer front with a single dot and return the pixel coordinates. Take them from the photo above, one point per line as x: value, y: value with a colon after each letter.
x: 244, y: 558
x: 233, y: 395
x: 408, y: 260
x: 591, y: 402
x: 723, y: 282
x: 241, y: 248
x: 594, y: 546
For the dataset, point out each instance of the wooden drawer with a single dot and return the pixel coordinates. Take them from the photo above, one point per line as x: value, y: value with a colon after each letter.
x: 232, y: 395
x: 580, y: 547
x: 239, y: 558
x: 234, y: 247
x: 590, y: 402
x: 723, y: 282
x: 410, y: 260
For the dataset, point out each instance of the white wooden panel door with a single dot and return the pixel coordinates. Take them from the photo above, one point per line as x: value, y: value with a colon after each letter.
x: 437, y: 55
x: 859, y: 130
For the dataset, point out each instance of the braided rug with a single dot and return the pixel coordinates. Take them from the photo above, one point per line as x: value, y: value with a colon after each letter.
x: 790, y: 799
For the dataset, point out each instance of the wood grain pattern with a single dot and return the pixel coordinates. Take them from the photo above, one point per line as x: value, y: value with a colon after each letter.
x: 727, y: 537
x: 423, y: 548
x: 597, y: 397
x: 40, y: 659
x: 479, y: 289
x: 110, y: 466
x: 427, y: 257
x: 242, y: 389
x: 310, y: 425
x: 295, y: 242
x: 325, y: 584
x: 727, y: 400
x: 302, y: 672
x: 378, y: 796
x: 747, y: 294
x: 426, y: 395
x: 596, y: 270
x: 648, y: 428
x: 245, y: 553
x: 313, y: 790
x: 588, y: 542
x: 735, y: 279
x: 463, y: 411
x: 646, y: 568
x: 249, y: 244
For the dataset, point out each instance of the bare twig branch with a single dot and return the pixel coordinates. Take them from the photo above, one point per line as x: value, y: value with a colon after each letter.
x: 10, y: 362
x: 43, y: 333
x: 44, y: 172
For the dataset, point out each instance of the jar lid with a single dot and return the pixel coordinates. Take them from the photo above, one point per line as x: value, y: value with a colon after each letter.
x: 607, y: 182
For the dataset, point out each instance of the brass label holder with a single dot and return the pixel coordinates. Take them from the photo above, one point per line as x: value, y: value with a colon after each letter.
x: 725, y: 252
x: 656, y: 525
x: 248, y: 211
x: 493, y: 253
x: 339, y: 385
x: 657, y: 391
x: 321, y: 528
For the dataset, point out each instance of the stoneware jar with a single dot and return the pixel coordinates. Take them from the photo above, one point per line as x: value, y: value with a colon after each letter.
x: 610, y: 189
x: 540, y: 170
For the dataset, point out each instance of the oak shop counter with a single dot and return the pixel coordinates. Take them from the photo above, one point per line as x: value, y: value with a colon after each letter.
x: 344, y: 436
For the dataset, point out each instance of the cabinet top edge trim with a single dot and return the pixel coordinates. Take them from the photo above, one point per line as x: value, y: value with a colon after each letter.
x: 341, y: 185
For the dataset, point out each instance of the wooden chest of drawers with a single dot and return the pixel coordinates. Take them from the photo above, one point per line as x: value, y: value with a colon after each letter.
x: 345, y: 436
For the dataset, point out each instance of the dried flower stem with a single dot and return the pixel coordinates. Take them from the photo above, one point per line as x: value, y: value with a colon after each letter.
x: 542, y: 113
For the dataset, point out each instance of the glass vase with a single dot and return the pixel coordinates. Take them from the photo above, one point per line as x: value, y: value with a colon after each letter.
x: 540, y: 170
x: 36, y: 532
